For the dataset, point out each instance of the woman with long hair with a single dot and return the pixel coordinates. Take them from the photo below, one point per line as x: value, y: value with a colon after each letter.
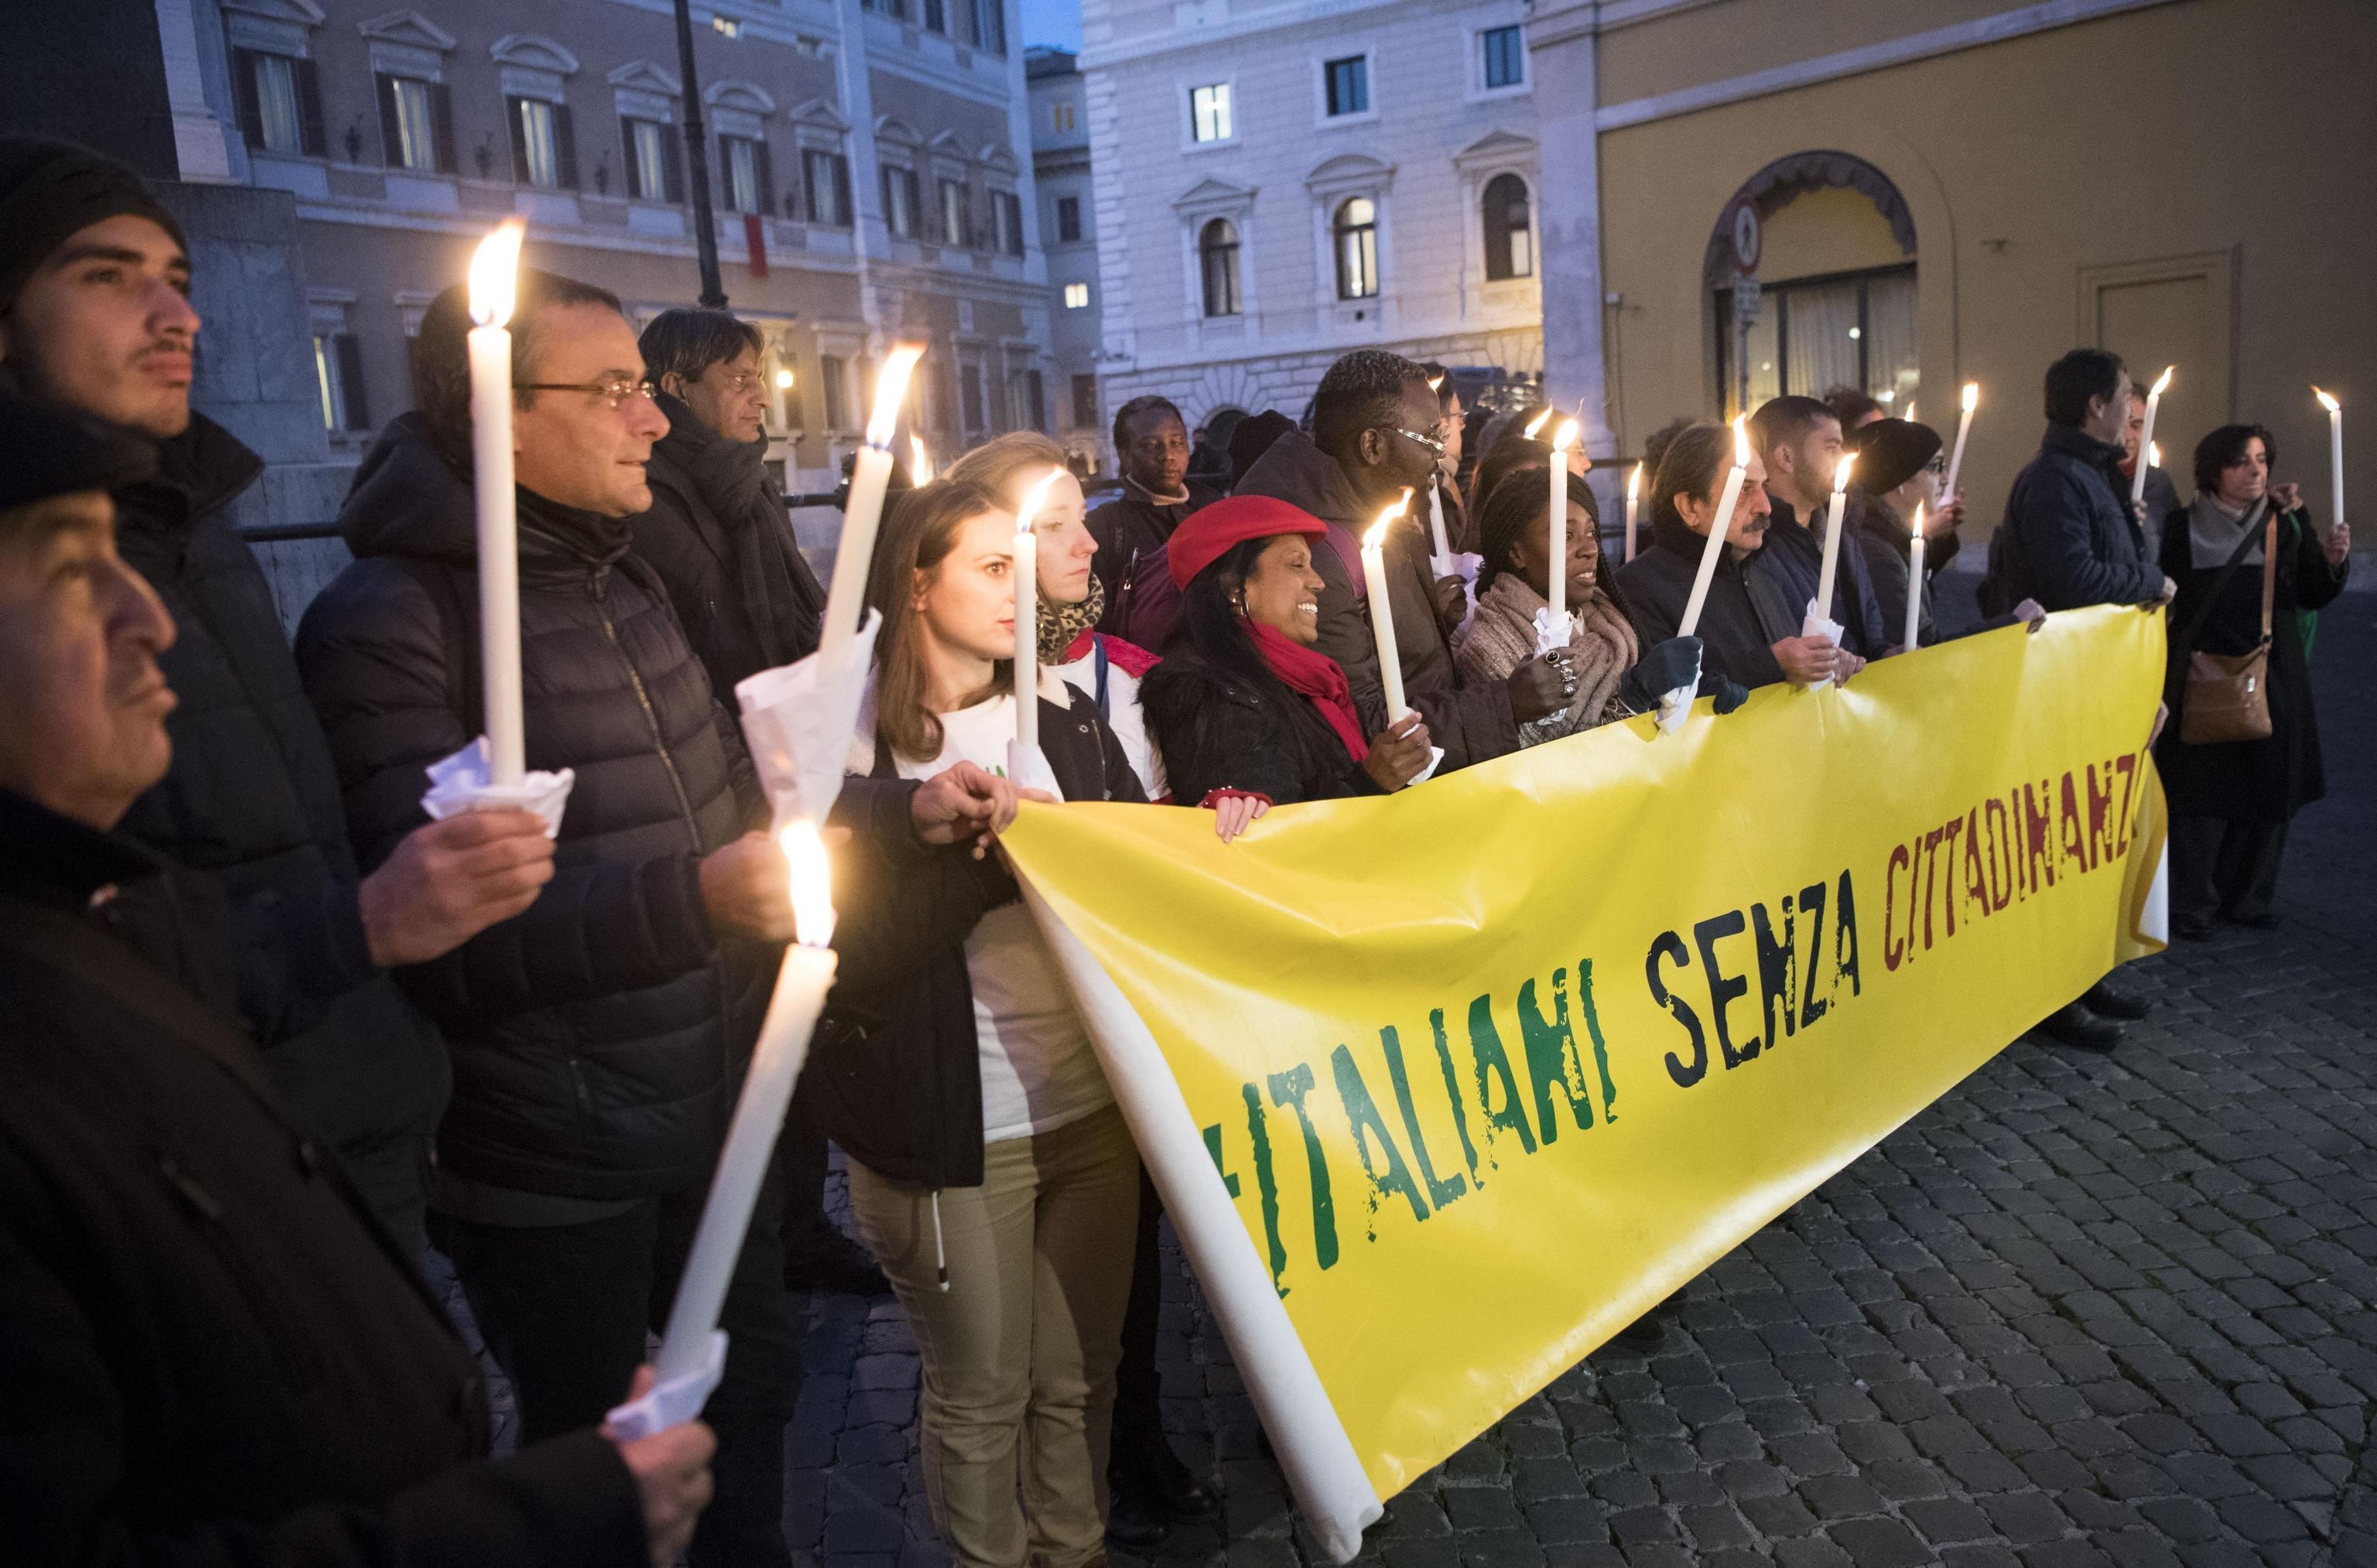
x: 990, y: 1171
x: 1249, y: 713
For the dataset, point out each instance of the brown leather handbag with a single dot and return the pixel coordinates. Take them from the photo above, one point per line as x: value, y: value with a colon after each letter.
x: 2226, y: 696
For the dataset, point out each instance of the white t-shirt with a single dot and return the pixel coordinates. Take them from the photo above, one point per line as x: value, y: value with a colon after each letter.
x: 1038, y: 1070
x: 1122, y: 715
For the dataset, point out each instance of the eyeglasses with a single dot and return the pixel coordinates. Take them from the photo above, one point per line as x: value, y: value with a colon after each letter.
x: 1430, y: 442
x: 612, y: 392
x: 742, y: 383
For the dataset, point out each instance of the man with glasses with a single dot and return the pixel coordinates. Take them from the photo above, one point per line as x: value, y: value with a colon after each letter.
x: 598, y: 1038
x: 95, y: 316
x: 1373, y: 424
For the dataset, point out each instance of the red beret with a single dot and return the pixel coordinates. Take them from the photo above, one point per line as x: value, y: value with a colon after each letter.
x: 1210, y: 534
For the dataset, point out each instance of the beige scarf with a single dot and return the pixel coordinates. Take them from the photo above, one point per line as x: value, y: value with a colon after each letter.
x: 1603, y: 647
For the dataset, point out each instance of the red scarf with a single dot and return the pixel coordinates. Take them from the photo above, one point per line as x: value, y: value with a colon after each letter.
x: 1316, y: 677
x: 1129, y: 657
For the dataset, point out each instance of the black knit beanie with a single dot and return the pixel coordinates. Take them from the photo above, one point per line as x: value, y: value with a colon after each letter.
x: 50, y: 189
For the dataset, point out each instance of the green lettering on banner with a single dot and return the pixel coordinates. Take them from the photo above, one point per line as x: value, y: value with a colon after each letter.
x: 1485, y: 1049
x: 1220, y: 1168
x: 1551, y: 1058
x: 1600, y: 1047
x: 1438, y: 1193
x: 1452, y: 1090
x: 1289, y: 1090
x: 1266, y: 1185
x: 1362, y: 1113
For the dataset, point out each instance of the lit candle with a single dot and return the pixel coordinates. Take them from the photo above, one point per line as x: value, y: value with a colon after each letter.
x: 1914, y: 584
x: 1556, y: 515
x: 1823, y: 605
x: 870, y: 474
x: 1633, y: 506
x: 2334, y: 452
x: 801, y: 986
x: 1382, y: 616
x: 2146, y: 437
x: 1963, y: 428
x: 494, y: 275
x: 1719, y: 527
x: 1537, y: 424
x: 920, y: 462
x: 1026, y: 570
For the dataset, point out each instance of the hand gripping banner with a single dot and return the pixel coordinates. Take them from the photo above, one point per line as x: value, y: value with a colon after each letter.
x: 1443, y: 1089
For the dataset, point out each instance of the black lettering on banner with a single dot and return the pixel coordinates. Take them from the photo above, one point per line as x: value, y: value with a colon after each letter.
x: 1811, y: 909
x: 1777, y: 969
x: 1722, y: 988
x: 1671, y: 947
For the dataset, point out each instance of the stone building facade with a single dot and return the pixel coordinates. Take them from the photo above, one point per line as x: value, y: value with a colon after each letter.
x: 1069, y: 234
x: 1277, y: 186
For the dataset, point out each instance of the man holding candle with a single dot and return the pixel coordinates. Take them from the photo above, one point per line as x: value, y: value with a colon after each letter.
x: 2161, y: 495
x: 1372, y: 441
x: 95, y: 314
x: 2068, y: 538
x: 1798, y: 439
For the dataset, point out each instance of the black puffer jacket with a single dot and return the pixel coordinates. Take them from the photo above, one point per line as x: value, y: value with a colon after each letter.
x: 896, y: 1072
x: 720, y: 540
x: 252, y: 800
x: 2068, y: 538
x: 597, y: 1036
x: 1219, y: 730
x: 1748, y: 609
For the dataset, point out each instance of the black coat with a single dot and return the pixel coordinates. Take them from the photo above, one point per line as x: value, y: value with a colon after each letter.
x: 1128, y: 527
x: 213, y: 1355
x: 1794, y: 552
x: 720, y: 540
x: 2266, y: 780
x: 1219, y: 730
x: 2068, y: 538
x: 1747, y: 611
x: 895, y: 1074
x: 251, y: 799
x: 598, y: 1035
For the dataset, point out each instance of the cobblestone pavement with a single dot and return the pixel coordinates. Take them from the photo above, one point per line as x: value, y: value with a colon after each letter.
x: 2084, y: 1310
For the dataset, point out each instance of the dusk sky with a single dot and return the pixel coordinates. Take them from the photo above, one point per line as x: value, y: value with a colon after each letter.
x: 1053, y: 21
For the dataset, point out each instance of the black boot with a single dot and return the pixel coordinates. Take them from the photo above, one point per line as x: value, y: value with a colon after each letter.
x: 2108, y: 1001
x: 2074, y: 1025
x: 1145, y: 1469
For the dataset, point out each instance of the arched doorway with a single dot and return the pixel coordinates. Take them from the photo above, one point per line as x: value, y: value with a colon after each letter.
x: 1835, y: 301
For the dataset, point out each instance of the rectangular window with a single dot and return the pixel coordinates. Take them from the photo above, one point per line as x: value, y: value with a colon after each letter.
x: 279, y: 103
x: 415, y: 125
x: 744, y: 177
x: 339, y: 370
x: 825, y: 179
x: 1068, y: 220
x: 970, y: 407
x: 936, y: 17
x: 1854, y: 330
x: 544, y: 155
x: 957, y: 214
x: 1349, y: 84
x: 1506, y: 57
x: 1209, y: 113
x: 1076, y: 296
x: 1060, y: 115
x: 990, y: 25
x: 1007, y: 211
x: 833, y: 377
x: 1035, y: 400
x: 1085, y: 401
x: 654, y: 153
x: 276, y: 94
x: 899, y: 201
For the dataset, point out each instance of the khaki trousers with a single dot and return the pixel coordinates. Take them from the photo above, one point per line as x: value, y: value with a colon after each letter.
x: 1019, y: 1355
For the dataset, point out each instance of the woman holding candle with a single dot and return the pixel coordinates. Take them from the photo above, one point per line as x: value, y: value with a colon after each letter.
x: 1249, y: 713
x: 2230, y: 801
x: 991, y: 1172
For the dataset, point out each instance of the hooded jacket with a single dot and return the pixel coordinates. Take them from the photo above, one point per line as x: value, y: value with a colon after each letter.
x: 1472, y: 723
x: 722, y: 541
x: 1126, y: 528
x: 253, y: 801
x: 2068, y: 538
x: 598, y: 1035
x: 213, y: 1355
x: 1747, y: 613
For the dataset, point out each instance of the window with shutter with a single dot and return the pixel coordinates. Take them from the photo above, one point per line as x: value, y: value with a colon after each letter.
x: 1086, y: 401
x: 273, y: 85
x: 1068, y: 220
x: 1510, y: 243
x: 408, y: 125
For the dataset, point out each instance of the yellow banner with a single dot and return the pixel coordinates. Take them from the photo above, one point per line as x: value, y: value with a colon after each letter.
x: 1489, y: 1068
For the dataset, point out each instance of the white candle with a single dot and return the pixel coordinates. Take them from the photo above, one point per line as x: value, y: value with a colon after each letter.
x: 2334, y: 452
x: 1963, y: 428
x: 494, y: 275
x: 801, y: 986
x: 1831, y: 573
x: 870, y: 474
x: 1633, y: 506
x: 1435, y: 525
x: 920, y: 462
x: 1555, y: 516
x: 1382, y: 615
x: 2146, y: 437
x: 1914, y: 584
x: 1719, y: 527
x: 1026, y: 570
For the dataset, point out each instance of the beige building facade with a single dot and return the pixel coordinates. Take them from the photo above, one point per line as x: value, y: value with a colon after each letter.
x: 1961, y: 191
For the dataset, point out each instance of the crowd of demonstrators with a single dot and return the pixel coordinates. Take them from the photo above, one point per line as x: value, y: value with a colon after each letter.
x: 93, y: 283
x: 1799, y: 441
x: 2253, y: 571
x: 1898, y: 469
x: 1152, y: 448
x: 991, y: 1171
x: 1855, y: 408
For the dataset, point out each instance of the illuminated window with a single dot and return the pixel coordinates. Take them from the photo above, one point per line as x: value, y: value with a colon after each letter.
x: 1076, y: 296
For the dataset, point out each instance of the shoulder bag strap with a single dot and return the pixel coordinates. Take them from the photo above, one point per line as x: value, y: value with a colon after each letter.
x: 2269, y: 574
x: 2186, y: 639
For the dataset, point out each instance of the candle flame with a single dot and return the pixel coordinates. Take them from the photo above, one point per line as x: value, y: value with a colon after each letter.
x: 2328, y: 401
x: 1917, y: 531
x: 1037, y: 495
x: 812, y: 882
x: 1435, y: 383
x: 889, y: 390
x: 2162, y: 382
x: 1634, y: 482
x: 1377, y: 538
x: 1841, y: 474
x: 1972, y: 396
x: 920, y: 463
x: 1564, y: 436
x: 1537, y: 424
x: 1741, y: 441
x: 2154, y: 454
x: 1910, y: 412
x: 495, y: 273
